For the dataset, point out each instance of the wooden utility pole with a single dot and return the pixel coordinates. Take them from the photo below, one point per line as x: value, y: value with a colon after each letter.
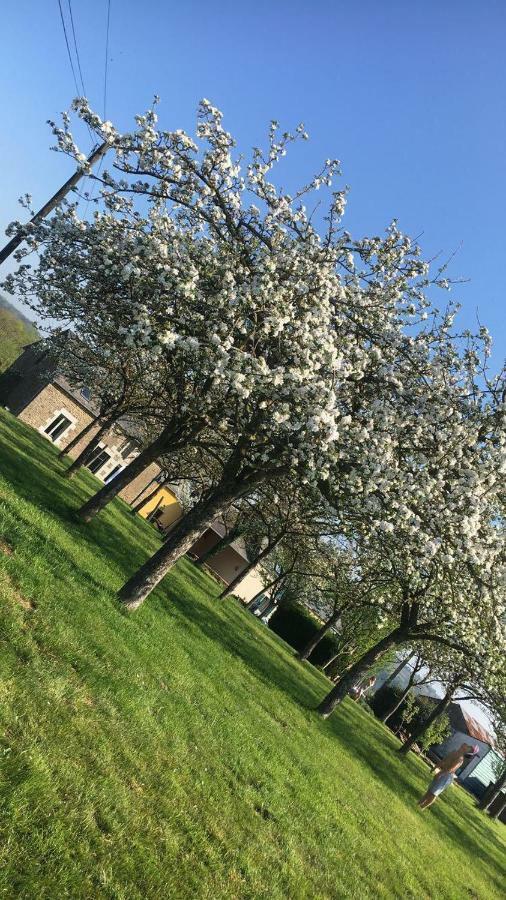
x: 54, y: 201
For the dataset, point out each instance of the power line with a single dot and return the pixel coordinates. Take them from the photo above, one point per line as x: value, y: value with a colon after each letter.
x: 79, y: 64
x: 68, y: 49
x: 91, y: 196
x: 106, y: 55
x: 76, y: 48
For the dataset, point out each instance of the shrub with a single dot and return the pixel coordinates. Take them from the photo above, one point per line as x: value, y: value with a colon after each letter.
x: 296, y: 626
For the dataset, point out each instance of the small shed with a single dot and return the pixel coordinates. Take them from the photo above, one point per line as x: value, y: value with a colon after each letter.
x: 229, y: 562
x: 167, y: 506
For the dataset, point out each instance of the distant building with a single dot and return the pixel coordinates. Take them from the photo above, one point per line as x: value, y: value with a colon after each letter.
x: 478, y: 773
x: 229, y: 562
x: 162, y: 507
x: 35, y: 391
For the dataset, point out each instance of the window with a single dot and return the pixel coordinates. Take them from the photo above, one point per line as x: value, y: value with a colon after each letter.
x: 127, y: 448
x: 86, y: 393
x: 57, y: 427
x: 98, y: 461
x: 112, y: 474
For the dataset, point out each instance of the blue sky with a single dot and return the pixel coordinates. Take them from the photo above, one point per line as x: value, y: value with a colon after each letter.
x: 410, y: 97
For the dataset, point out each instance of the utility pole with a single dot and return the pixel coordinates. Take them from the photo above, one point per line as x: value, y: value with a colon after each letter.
x: 54, y: 201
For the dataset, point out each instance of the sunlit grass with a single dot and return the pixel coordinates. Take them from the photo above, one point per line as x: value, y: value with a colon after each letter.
x: 175, y: 753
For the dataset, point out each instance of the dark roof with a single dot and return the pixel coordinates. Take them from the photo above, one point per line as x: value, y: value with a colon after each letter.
x: 456, y: 717
x: 238, y: 546
x: 33, y: 344
x: 76, y: 394
x: 460, y: 720
x: 219, y: 528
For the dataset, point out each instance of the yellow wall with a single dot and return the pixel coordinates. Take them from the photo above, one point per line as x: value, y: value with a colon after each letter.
x: 170, y: 506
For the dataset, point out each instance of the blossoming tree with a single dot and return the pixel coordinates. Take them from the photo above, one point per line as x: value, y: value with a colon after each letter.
x: 306, y: 353
x: 447, y: 589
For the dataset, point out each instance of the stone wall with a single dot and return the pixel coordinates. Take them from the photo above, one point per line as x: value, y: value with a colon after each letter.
x: 28, y: 390
x: 52, y: 401
x: 47, y: 405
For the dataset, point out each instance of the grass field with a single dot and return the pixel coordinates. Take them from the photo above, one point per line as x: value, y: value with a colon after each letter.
x: 174, y: 753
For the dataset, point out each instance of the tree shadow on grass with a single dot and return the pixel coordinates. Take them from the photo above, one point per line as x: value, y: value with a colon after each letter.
x: 272, y: 667
x: 473, y: 836
x: 23, y: 454
x: 227, y: 628
x: 59, y: 559
x: 374, y: 752
x: 124, y: 540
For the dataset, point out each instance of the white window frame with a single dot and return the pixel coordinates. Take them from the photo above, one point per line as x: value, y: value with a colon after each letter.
x: 101, y: 447
x: 127, y: 448
x: 50, y: 421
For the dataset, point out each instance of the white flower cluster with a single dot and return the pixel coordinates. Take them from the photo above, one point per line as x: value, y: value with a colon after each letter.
x: 306, y: 352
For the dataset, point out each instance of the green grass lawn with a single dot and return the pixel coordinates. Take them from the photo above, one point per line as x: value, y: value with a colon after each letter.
x: 174, y: 753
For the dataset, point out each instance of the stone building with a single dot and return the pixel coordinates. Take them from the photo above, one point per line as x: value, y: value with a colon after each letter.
x: 33, y: 390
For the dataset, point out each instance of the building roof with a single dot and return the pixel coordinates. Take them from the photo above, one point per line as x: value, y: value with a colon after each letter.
x: 477, y: 731
x: 238, y: 545
x: 219, y: 528
x: 240, y: 548
x: 460, y: 720
x: 76, y: 394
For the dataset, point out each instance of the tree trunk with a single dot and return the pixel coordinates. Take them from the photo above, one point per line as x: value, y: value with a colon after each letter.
x: 249, y: 568
x: 250, y: 604
x: 396, y: 705
x: 340, y: 673
x: 139, y: 505
x: 147, y: 498
x: 438, y: 711
x: 155, y: 509
x: 493, y: 791
x: 397, y: 671
x: 358, y: 669
x: 107, y: 493
x: 500, y: 808
x: 330, y: 661
x: 86, y: 454
x: 153, y: 493
x: 79, y: 436
x: 183, y: 536
x: 318, y: 636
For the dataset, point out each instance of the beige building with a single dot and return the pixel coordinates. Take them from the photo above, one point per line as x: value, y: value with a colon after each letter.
x: 229, y: 562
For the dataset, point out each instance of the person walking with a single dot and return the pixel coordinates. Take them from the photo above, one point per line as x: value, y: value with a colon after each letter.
x: 359, y: 690
x: 445, y: 773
